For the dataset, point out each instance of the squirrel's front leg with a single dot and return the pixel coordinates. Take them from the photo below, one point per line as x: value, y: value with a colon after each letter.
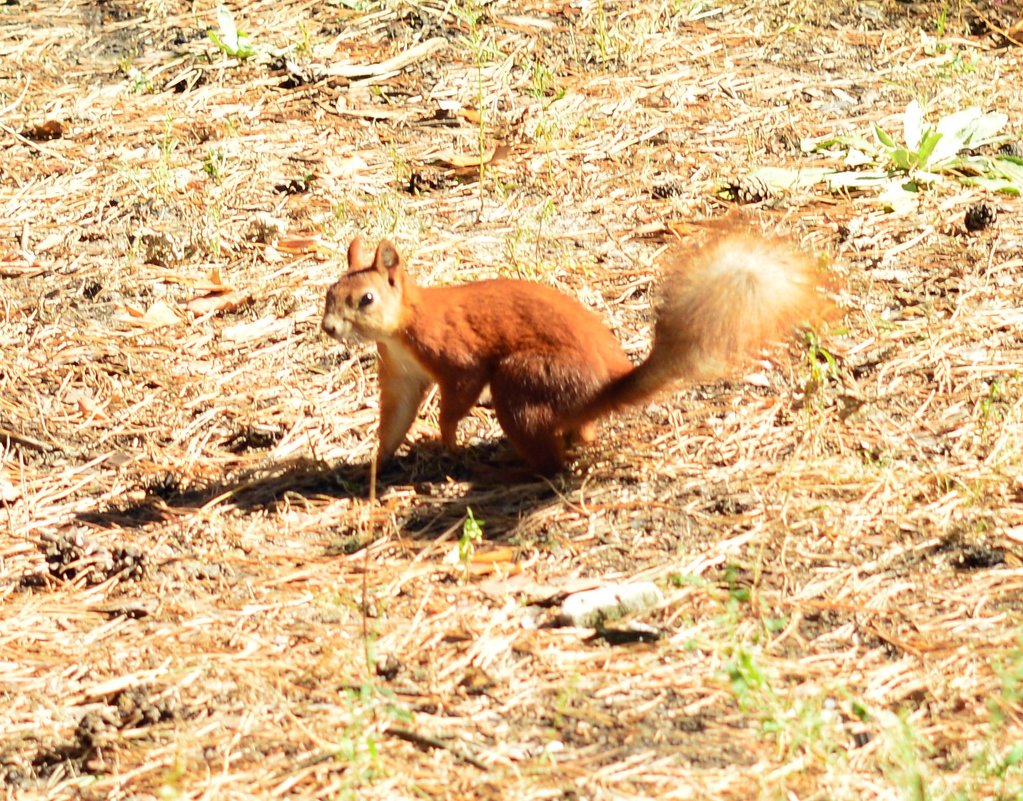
x: 403, y: 385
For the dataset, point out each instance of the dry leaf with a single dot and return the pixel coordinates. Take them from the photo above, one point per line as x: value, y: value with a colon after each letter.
x: 494, y: 556
x: 346, y: 167
x: 217, y: 302
x: 515, y: 582
x: 50, y: 242
x: 299, y: 244
x: 8, y: 492
x: 263, y: 328
x: 460, y: 161
x: 44, y: 131
x: 89, y: 408
x: 134, y: 311
x: 160, y: 314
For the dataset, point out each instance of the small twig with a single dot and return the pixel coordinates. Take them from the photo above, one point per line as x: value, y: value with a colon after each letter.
x: 398, y: 62
x: 26, y: 441
x: 426, y: 741
x: 9, y: 108
x: 365, y: 570
x: 364, y: 606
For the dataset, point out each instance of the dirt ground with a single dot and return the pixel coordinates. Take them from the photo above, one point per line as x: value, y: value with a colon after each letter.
x: 197, y: 599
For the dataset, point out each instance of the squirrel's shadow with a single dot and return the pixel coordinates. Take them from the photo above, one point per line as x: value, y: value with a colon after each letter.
x: 425, y: 469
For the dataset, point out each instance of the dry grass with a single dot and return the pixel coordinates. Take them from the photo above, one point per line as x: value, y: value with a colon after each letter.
x: 188, y: 551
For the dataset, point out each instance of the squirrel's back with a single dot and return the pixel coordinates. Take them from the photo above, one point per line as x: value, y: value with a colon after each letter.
x: 501, y: 316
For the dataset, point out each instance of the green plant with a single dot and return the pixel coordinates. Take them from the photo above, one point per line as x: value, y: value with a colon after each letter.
x: 358, y: 746
x: 747, y: 680
x: 1009, y: 670
x: 304, y: 46
x: 898, y: 169
x: 162, y: 174
x: 990, y: 406
x: 902, y: 756
x: 807, y: 728
x: 685, y: 580
x: 213, y: 164
x: 542, y: 88
x: 484, y: 50
x: 997, y: 770
x: 540, y: 80
x: 959, y: 65
x: 608, y: 42
x: 566, y: 699
x: 738, y: 591
x: 926, y: 154
x: 472, y: 535
x: 524, y: 247
x: 823, y: 368
x: 231, y: 41
x: 138, y: 82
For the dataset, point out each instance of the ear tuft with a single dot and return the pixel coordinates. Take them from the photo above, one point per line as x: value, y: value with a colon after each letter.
x: 358, y: 258
x: 388, y: 261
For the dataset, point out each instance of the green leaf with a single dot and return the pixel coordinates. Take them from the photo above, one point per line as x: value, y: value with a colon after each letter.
x: 1009, y: 167
x: 827, y: 144
x: 972, y: 127
x: 926, y: 178
x: 780, y: 178
x: 1003, y: 185
x: 472, y: 532
x: 886, y: 140
x: 230, y: 40
x: 969, y: 165
x: 856, y: 180
x: 228, y: 30
x: 901, y: 158
x: 927, y: 144
x: 216, y: 40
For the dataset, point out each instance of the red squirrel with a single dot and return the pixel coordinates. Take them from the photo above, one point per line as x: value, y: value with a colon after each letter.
x: 553, y: 367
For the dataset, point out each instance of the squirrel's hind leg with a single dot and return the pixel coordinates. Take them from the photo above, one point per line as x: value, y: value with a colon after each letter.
x: 533, y: 431
x: 456, y: 399
x: 583, y: 435
x: 531, y: 392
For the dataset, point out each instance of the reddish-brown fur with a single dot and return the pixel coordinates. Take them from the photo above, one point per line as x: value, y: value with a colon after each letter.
x: 552, y: 366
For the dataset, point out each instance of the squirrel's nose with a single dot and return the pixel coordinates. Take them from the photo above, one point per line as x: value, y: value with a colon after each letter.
x: 328, y: 327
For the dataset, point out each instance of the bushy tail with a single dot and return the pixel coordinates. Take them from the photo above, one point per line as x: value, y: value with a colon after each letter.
x: 718, y: 304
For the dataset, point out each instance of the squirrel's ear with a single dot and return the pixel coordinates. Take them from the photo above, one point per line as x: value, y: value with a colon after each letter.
x: 358, y: 259
x: 387, y: 261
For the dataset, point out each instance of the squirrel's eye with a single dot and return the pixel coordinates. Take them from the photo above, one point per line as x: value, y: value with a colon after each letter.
x: 365, y: 300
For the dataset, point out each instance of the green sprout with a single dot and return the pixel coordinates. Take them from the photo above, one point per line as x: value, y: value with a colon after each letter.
x: 230, y: 39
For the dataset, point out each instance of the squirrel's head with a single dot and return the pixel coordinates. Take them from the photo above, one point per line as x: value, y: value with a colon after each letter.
x: 368, y: 301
